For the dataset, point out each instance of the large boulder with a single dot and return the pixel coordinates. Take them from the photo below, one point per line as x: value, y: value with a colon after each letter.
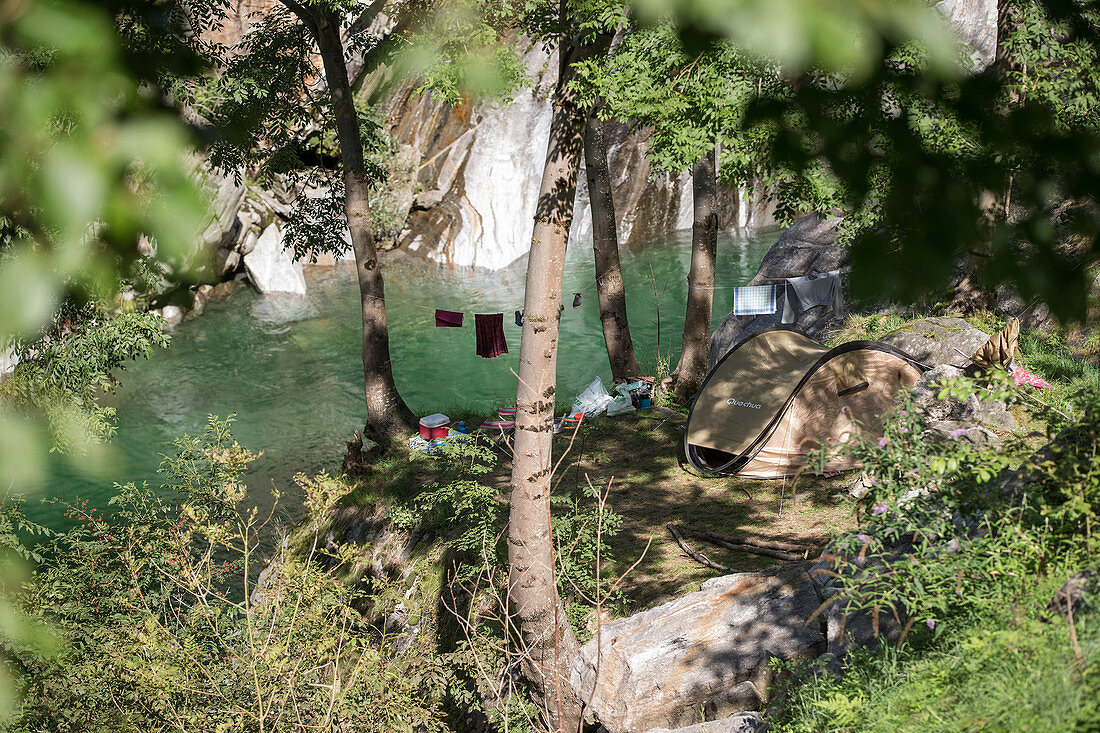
x: 936, y: 341
x: 949, y: 415
x: 707, y: 651
x: 270, y: 267
x: 1035, y: 315
x: 808, y: 246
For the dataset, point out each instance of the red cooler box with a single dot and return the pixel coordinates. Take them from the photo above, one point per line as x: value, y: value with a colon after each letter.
x: 434, y: 426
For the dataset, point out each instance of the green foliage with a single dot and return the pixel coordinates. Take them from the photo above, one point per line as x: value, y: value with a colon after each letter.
x: 460, y: 56
x: 88, y: 162
x: 167, y: 627
x: 462, y: 505
x: 63, y: 374
x: 1002, y: 671
x: 943, y: 532
x: 972, y: 565
x: 839, y: 37
x: 583, y: 555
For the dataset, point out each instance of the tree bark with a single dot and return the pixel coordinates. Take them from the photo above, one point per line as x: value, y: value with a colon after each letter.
x: 387, y: 414
x: 547, y: 639
x: 970, y: 294
x: 694, y: 356
x: 610, y: 288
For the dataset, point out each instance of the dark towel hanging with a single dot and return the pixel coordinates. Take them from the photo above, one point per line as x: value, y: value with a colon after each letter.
x: 576, y: 300
x: 489, y: 328
x: 519, y: 318
x: 447, y: 319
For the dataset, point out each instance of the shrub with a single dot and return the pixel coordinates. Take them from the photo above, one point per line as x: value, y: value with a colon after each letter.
x: 168, y: 623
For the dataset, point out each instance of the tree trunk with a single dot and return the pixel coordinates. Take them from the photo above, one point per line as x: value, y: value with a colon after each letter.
x: 605, y: 247
x: 694, y: 356
x: 970, y: 294
x: 387, y: 414
x: 547, y: 639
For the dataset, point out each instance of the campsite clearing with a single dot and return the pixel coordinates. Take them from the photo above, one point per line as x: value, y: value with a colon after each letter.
x: 640, y: 455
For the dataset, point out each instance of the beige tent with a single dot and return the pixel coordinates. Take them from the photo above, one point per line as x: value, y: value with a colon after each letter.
x: 779, y: 394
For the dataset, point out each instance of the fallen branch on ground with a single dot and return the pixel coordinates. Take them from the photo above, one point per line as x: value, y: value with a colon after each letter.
x: 725, y: 540
x: 766, y: 552
x: 696, y: 556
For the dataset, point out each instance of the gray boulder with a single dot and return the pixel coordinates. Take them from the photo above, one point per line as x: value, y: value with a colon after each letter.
x: 225, y: 194
x: 270, y: 267
x: 808, y: 246
x: 936, y: 341
x: 664, y: 666
x: 949, y: 415
x: 1036, y: 316
x: 750, y: 722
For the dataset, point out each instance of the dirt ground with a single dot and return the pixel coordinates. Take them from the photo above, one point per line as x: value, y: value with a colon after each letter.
x: 640, y: 457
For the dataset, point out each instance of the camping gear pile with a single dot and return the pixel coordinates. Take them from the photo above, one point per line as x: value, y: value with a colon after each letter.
x: 595, y: 400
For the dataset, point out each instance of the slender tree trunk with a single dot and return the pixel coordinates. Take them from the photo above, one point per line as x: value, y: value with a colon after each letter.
x: 610, y: 288
x: 387, y: 414
x: 547, y: 638
x: 970, y: 294
x: 694, y: 357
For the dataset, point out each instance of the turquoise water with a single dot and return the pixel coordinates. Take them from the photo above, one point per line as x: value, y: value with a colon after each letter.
x: 290, y: 367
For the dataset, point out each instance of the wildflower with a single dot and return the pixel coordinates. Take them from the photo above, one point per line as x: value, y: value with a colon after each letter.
x: 863, y: 538
x: 930, y: 623
x: 903, y: 430
x: 880, y: 508
x: 883, y: 442
x: 960, y: 433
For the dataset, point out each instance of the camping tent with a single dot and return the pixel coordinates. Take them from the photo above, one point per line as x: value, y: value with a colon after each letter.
x: 779, y: 394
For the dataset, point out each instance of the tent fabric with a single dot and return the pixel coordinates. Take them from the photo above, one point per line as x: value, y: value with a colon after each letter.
x: 779, y: 394
x: 1000, y: 348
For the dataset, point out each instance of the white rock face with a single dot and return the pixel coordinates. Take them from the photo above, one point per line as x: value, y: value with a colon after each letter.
x: 976, y: 23
x: 479, y: 171
x: 502, y: 157
x: 8, y: 360
x: 270, y: 267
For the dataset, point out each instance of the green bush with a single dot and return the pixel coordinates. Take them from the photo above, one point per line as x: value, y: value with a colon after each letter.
x: 969, y: 563
x: 168, y: 623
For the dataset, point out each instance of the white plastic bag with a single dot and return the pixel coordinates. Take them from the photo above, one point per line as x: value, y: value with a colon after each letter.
x: 620, y: 405
x: 593, y: 400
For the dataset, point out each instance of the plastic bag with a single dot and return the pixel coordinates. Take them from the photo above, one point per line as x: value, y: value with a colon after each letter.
x: 620, y: 405
x: 593, y: 400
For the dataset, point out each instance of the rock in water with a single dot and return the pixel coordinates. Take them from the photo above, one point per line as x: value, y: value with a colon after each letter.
x: 270, y: 267
x: 936, y: 341
x: 663, y: 666
x: 809, y: 245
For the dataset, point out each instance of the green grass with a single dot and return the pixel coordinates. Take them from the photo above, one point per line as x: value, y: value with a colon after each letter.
x: 1008, y: 670
x: 1069, y: 373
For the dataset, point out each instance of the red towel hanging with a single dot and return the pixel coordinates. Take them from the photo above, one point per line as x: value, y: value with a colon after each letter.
x: 447, y: 319
x: 489, y: 328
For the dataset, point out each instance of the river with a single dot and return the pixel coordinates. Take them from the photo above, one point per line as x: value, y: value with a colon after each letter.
x: 290, y: 369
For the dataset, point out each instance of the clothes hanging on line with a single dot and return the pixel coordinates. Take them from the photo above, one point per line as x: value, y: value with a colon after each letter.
x: 447, y: 319
x: 489, y: 328
x: 812, y: 290
x: 753, y: 300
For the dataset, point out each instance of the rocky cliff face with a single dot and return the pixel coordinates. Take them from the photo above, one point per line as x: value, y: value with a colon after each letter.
x: 468, y: 175
x: 476, y: 170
